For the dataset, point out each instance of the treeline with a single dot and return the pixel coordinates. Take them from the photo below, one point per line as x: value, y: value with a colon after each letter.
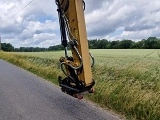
x: 30, y: 49
x: 150, y: 43
x: 38, y: 49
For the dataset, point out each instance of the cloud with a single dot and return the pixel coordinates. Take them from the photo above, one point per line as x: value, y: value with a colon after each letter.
x: 37, y: 24
x: 34, y: 25
x: 133, y: 16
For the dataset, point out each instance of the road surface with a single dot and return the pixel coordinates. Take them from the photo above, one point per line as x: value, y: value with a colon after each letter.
x: 24, y: 96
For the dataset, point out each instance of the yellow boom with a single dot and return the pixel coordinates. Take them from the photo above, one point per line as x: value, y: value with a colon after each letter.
x: 77, y: 68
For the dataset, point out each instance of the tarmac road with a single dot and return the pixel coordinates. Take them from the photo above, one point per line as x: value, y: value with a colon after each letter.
x: 24, y: 96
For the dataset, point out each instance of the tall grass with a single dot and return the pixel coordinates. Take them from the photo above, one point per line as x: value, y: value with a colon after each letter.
x: 136, y: 94
x: 46, y: 68
x: 127, y: 82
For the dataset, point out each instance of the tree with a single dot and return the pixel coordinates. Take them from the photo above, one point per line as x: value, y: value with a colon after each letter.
x: 149, y: 43
x: 56, y: 47
x: 102, y: 44
x: 114, y: 45
x: 92, y: 44
x: 139, y: 44
x: 126, y: 44
x: 7, y: 47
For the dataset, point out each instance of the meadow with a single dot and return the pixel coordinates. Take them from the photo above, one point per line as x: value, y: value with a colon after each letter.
x: 127, y: 80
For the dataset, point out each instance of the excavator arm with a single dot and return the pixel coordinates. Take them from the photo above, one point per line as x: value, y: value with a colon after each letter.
x: 77, y: 68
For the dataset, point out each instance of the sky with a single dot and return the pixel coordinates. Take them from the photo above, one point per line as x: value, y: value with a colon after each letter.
x: 37, y: 24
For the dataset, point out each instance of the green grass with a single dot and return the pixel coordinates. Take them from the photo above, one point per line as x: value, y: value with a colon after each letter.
x: 50, y: 55
x: 127, y: 81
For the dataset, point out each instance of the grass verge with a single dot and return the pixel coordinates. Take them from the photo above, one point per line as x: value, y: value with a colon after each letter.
x: 46, y: 69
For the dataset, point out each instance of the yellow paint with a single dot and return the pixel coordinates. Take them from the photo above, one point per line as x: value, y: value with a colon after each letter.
x: 75, y: 15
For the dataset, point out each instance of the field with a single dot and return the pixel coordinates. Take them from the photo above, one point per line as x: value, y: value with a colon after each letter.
x: 127, y: 81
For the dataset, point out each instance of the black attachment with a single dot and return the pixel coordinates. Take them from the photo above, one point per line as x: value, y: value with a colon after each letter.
x: 69, y: 87
x: 72, y: 85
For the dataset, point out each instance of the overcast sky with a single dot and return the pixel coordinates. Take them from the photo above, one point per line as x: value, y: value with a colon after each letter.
x: 37, y: 25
